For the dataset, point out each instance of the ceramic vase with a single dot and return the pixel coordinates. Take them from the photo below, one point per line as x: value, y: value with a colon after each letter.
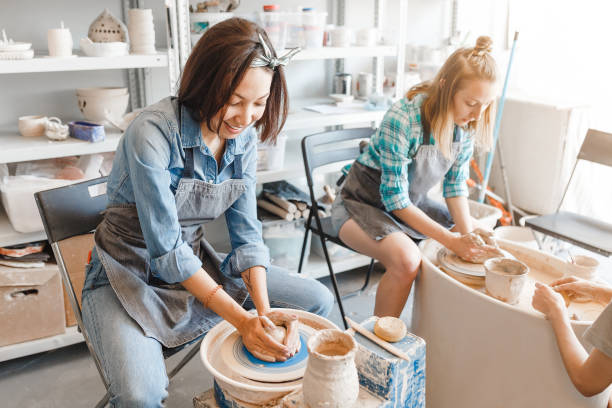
x: 330, y: 379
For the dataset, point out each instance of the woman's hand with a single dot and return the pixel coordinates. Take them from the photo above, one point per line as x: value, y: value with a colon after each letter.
x: 580, y: 288
x: 258, y: 342
x: 291, y: 323
x: 547, y: 301
x: 472, y: 248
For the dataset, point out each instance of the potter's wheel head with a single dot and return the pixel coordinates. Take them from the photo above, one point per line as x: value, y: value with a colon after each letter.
x: 242, y: 362
x: 467, y: 272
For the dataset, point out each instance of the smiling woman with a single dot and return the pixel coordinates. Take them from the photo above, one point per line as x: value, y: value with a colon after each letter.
x: 154, y: 283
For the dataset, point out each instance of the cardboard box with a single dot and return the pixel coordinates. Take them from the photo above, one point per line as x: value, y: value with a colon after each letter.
x: 31, y: 304
x: 75, y: 252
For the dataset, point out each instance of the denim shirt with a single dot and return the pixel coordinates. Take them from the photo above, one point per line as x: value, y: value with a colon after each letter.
x: 146, y: 171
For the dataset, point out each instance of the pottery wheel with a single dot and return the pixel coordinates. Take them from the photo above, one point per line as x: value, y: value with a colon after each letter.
x: 242, y: 362
x: 463, y: 270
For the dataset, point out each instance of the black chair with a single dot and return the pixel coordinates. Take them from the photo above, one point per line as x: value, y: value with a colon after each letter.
x: 585, y: 232
x: 319, y: 150
x: 70, y: 215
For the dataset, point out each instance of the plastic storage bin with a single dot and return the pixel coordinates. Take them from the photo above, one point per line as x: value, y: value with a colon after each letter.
x: 275, y: 24
x: 284, y: 239
x: 18, y: 200
x: 313, y: 23
x: 486, y: 214
x: 271, y: 157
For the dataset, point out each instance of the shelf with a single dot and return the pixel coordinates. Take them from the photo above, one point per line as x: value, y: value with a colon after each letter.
x: 71, y: 336
x: 317, y: 267
x: 82, y: 63
x: 300, y: 118
x: 16, y: 148
x: 345, y: 52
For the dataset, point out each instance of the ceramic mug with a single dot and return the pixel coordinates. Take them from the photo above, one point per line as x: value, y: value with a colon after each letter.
x: 341, y: 37
x: 59, y: 41
x: 505, y: 278
x: 582, y: 266
x: 367, y: 37
x: 34, y: 125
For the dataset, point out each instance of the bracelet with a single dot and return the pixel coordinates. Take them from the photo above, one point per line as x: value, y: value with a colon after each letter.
x: 210, y: 295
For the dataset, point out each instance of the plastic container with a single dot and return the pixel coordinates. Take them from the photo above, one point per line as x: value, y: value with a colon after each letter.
x: 313, y: 23
x: 271, y: 157
x: 200, y: 22
x: 486, y: 214
x: 275, y: 24
x: 284, y: 239
x: 295, y: 30
x: 18, y: 200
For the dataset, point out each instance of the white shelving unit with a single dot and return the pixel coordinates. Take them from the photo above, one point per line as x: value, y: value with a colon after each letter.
x: 15, y: 148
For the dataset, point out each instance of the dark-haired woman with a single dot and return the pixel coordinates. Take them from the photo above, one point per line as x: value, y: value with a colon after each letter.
x: 154, y: 283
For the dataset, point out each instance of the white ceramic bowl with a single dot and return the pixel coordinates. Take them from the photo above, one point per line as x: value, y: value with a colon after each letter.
x: 238, y: 387
x: 583, y: 267
x: 97, y: 108
x: 520, y: 235
x: 108, y: 49
x: 102, y: 91
x: 32, y: 126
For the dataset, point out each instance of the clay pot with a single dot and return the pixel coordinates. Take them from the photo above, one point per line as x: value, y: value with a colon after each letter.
x: 331, y: 378
x: 505, y: 278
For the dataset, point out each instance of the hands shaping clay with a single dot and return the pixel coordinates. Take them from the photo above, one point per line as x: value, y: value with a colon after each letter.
x: 486, y: 242
x: 278, y: 333
x: 390, y: 329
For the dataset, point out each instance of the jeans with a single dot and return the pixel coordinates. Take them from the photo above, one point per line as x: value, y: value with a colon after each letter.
x: 134, y: 364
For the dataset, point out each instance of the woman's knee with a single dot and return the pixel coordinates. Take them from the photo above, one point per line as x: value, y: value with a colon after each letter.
x: 140, y: 391
x: 322, y: 299
x: 405, y: 266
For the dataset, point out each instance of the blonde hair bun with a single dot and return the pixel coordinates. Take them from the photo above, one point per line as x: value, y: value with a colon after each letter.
x: 483, y: 45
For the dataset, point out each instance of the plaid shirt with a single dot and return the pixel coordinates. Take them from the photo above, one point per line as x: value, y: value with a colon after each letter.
x: 395, y: 145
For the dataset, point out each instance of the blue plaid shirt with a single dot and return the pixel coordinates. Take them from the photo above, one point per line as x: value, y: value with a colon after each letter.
x: 395, y: 145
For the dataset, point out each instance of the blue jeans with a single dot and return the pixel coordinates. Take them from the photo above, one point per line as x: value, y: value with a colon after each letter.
x: 134, y: 363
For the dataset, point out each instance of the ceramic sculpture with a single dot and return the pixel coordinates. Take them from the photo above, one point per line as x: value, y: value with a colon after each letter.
x: 107, y: 28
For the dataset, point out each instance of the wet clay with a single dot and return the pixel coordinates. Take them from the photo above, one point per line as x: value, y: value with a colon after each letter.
x: 332, y: 349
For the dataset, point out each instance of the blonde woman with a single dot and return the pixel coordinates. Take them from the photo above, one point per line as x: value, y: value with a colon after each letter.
x: 426, y: 137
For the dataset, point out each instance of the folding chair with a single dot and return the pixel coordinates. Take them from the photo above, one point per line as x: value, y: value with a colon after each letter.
x: 70, y: 215
x: 319, y: 150
x: 586, y: 232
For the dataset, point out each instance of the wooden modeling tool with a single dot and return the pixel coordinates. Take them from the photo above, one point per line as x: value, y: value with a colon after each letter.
x: 372, y: 337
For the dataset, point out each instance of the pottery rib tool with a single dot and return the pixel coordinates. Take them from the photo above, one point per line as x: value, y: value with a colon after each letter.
x: 372, y: 337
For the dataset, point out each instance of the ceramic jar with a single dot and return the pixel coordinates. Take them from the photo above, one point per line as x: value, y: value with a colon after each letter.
x: 331, y: 378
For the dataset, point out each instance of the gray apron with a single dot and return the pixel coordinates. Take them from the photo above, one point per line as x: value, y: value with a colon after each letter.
x: 360, y: 194
x: 168, y: 312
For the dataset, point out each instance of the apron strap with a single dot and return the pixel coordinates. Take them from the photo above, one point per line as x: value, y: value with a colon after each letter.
x: 237, y: 166
x: 188, y: 170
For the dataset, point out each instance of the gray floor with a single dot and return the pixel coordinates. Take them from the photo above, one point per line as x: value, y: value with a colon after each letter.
x: 67, y: 377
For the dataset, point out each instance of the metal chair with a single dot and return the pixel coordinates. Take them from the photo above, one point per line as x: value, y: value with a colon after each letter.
x: 70, y: 215
x: 319, y: 150
x: 577, y: 229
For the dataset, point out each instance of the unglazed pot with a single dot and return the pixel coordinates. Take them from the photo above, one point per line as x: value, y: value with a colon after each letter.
x: 330, y: 379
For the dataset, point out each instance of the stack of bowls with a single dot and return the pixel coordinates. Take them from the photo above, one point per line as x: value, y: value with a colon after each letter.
x: 141, y: 31
x: 100, y: 104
